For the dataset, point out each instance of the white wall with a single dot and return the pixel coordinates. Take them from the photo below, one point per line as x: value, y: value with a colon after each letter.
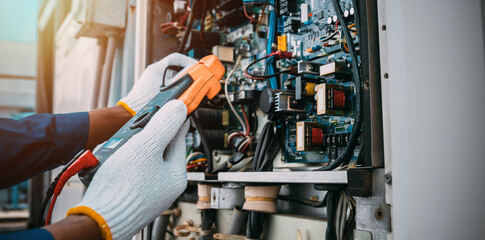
x: 17, y: 59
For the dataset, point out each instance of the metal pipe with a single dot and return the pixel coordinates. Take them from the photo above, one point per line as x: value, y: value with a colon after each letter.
x: 107, y: 70
x: 99, y: 71
x: 160, y: 227
x: 239, y: 220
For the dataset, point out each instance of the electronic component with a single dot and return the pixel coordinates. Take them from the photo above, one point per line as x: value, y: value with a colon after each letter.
x: 292, y: 26
x: 336, y: 140
x: 244, y: 96
x: 282, y: 41
x: 224, y: 53
x: 309, y: 67
x: 304, y: 12
x: 309, y: 136
x: 331, y: 99
x: 288, y: 6
x: 280, y: 101
x: 336, y: 70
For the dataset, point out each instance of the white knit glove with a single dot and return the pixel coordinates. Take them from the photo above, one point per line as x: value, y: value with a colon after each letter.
x: 142, y: 179
x: 148, y: 85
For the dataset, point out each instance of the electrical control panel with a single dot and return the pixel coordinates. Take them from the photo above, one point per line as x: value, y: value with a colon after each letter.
x: 288, y: 63
x: 291, y: 99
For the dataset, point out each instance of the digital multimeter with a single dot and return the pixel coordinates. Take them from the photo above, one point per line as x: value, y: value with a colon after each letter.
x: 199, y: 81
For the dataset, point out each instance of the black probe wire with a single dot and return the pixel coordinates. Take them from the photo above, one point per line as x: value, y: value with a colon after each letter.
x: 188, y: 28
x: 356, y: 130
x: 50, y: 190
x: 262, y: 76
x: 205, y: 143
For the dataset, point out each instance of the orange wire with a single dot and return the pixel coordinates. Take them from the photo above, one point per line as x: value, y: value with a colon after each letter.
x: 249, y: 17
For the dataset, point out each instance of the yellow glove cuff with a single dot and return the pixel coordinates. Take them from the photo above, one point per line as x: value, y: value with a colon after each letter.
x: 126, y: 107
x: 103, y: 226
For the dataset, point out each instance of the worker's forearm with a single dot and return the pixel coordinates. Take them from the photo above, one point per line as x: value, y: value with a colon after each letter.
x: 75, y: 227
x: 104, y: 122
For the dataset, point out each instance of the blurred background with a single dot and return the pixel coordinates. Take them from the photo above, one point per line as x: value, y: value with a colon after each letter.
x: 18, y: 59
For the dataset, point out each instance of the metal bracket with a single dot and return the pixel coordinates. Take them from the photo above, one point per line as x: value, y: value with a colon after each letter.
x: 226, y: 198
x: 309, y: 67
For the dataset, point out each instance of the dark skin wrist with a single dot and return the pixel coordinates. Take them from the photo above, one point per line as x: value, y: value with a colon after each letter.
x: 105, y: 122
x: 75, y: 227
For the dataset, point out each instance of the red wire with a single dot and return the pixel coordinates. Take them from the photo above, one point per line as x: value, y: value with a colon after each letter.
x: 336, y: 25
x: 86, y: 161
x: 237, y: 134
x: 196, y: 165
x: 246, y: 120
x: 245, y: 146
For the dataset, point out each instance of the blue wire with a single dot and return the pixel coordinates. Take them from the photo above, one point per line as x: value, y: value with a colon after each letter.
x: 271, y: 34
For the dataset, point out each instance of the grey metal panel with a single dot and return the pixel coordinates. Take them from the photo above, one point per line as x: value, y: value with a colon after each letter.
x: 436, y: 94
x: 331, y: 177
x: 196, y: 176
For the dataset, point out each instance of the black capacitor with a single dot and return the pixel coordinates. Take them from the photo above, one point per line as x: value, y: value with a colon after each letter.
x: 209, y: 118
x: 267, y: 100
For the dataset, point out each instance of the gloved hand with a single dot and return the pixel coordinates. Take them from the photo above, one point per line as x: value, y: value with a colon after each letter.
x: 148, y: 85
x: 142, y: 179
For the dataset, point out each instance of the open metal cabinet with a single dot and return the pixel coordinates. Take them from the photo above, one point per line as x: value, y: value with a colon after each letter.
x: 213, y: 201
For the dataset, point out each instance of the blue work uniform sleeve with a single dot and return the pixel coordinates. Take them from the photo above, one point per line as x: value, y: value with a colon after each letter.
x: 39, y: 142
x: 38, y: 234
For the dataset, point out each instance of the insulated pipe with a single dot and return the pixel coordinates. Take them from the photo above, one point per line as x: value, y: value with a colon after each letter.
x: 239, y: 220
x: 160, y: 227
x: 107, y: 70
x: 99, y: 71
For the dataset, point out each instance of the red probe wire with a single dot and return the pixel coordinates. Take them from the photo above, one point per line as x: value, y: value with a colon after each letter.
x: 86, y: 161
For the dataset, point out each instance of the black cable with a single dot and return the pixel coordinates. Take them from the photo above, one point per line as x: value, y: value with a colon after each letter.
x: 273, y: 149
x: 50, y: 190
x: 255, y: 224
x: 188, y: 28
x: 303, y: 201
x: 329, y: 37
x: 257, y: 152
x: 356, y: 130
x: 254, y: 115
x: 323, y: 203
x: 360, y: 158
x: 205, y: 143
x: 208, y: 217
x: 332, y: 202
x: 263, y: 76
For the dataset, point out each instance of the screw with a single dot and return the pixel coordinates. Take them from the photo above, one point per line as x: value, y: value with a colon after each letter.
x: 378, y: 214
x: 388, y: 178
x: 384, y: 27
